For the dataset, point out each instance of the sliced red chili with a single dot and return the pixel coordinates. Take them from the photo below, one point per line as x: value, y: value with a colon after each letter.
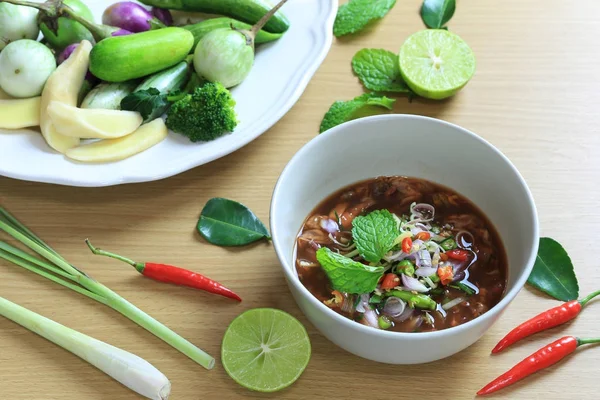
x: 407, y: 245
x: 423, y: 236
x: 458, y: 254
x: 390, y: 281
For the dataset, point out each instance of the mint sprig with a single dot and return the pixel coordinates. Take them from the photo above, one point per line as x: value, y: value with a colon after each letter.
x: 374, y: 234
x: 347, y: 275
x: 379, y: 70
x: 356, y: 14
x: 343, y: 111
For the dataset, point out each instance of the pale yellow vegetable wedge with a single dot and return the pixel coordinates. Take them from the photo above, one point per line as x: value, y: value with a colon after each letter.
x: 145, y: 137
x: 4, y: 95
x: 63, y: 86
x: 20, y: 113
x: 92, y: 123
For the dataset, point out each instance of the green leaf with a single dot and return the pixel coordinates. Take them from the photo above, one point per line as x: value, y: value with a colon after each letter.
x: 436, y: 13
x: 553, y: 272
x: 356, y: 14
x: 347, y: 275
x: 150, y: 103
x: 228, y: 223
x: 374, y: 234
x: 343, y: 111
x: 378, y: 70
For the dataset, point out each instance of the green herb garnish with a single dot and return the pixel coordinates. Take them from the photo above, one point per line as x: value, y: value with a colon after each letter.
x: 356, y: 14
x: 436, y: 13
x: 347, y: 275
x: 343, y: 111
x: 375, y: 299
x: 374, y: 234
x: 462, y: 287
x: 228, y: 223
x: 553, y: 271
x: 378, y: 70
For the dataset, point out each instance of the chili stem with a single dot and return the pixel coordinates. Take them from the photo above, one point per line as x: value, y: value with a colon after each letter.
x: 581, y: 342
x: 100, y: 252
x: 33, y: 268
x: 585, y: 300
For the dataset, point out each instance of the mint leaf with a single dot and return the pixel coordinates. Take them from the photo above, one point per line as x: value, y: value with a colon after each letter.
x: 343, y: 111
x: 347, y: 275
x: 553, y: 271
x: 356, y: 14
x: 374, y: 234
x: 436, y: 13
x: 378, y: 70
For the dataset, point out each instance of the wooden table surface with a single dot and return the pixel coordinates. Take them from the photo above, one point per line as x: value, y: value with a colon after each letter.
x: 535, y: 95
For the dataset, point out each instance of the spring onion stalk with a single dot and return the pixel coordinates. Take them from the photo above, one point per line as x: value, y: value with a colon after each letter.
x: 57, y: 269
x: 130, y: 370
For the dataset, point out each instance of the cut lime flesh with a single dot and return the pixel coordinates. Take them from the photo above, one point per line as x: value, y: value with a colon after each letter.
x: 265, y: 349
x: 436, y: 63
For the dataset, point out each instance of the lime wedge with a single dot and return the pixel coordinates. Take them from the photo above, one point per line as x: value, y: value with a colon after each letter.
x: 265, y: 349
x: 436, y: 63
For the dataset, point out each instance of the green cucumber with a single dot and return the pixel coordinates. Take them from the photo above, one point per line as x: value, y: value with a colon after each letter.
x: 249, y: 11
x: 202, y: 28
x: 170, y: 79
x: 108, y: 95
x: 121, y: 58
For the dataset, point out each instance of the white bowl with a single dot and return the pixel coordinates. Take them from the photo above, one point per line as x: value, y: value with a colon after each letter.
x: 410, y: 146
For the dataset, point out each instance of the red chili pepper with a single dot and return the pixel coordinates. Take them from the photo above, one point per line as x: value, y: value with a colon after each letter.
x: 546, y: 320
x: 458, y: 254
x: 406, y: 244
x: 423, y: 236
x: 446, y: 274
x: 390, y: 281
x: 171, y: 274
x: 543, y: 358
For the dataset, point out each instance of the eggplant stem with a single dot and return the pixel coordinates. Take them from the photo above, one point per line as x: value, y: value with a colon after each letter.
x: 263, y: 21
x: 39, y: 6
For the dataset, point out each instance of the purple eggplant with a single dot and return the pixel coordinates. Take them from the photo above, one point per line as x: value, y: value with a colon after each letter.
x: 66, y: 53
x: 129, y: 16
x: 163, y: 15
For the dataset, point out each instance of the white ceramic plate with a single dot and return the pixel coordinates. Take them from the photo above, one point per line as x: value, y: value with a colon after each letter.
x: 280, y: 74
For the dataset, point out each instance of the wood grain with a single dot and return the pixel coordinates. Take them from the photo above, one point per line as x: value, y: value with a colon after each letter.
x: 535, y: 96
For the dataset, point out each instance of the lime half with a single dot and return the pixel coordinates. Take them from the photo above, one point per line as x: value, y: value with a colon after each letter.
x: 265, y: 349
x: 436, y: 63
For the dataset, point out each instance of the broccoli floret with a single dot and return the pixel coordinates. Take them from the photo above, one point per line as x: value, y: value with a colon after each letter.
x: 206, y: 114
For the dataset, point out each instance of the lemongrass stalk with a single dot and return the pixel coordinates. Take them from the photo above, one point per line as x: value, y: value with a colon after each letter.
x: 42, y: 250
x: 112, y: 299
x: 127, y: 368
x: 34, y: 260
x: 18, y: 225
x: 35, y: 269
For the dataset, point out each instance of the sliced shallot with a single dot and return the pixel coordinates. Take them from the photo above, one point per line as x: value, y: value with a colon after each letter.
x: 452, y: 303
x: 370, y: 318
x: 426, y: 271
x: 394, y: 307
x: 413, y: 284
